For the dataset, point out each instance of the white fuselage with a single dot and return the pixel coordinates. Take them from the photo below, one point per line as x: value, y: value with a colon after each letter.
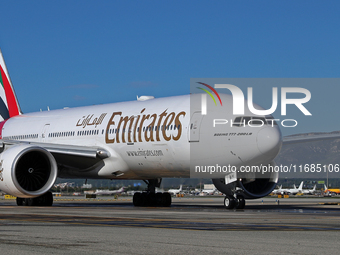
x: 148, y: 139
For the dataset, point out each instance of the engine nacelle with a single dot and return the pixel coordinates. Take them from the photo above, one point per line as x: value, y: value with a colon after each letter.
x: 27, y: 171
x: 255, y: 186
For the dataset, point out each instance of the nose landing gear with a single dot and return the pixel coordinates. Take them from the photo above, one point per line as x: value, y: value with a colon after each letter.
x: 231, y: 202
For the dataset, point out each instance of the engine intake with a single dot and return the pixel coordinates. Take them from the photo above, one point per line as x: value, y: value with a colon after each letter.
x: 27, y: 170
x: 252, y: 187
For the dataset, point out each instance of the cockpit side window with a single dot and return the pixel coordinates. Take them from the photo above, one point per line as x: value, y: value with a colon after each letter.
x: 254, y: 121
x: 260, y: 121
x: 237, y: 122
x: 270, y: 120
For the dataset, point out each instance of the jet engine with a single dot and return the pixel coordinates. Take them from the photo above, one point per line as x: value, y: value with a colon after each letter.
x: 248, y: 185
x: 27, y: 171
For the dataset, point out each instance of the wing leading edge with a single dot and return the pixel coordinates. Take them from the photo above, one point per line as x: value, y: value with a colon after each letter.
x: 72, y: 150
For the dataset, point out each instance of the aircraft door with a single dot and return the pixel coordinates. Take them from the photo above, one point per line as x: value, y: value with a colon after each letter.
x: 44, y: 132
x: 194, y: 128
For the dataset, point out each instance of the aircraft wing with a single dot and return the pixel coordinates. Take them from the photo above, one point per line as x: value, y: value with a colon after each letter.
x: 72, y: 150
x: 310, y: 138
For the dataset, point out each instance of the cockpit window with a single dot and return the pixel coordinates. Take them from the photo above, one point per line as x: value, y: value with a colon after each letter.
x: 270, y: 120
x: 237, y: 122
x: 254, y: 121
x: 257, y: 121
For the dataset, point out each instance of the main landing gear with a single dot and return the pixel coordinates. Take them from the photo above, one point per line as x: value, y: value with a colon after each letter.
x: 231, y: 202
x: 150, y: 197
x: 43, y: 200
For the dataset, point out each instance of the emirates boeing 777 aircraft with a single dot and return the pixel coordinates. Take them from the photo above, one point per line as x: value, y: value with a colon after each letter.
x: 147, y: 139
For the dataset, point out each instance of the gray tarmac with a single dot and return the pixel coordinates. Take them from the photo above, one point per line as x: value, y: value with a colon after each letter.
x: 192, y: 225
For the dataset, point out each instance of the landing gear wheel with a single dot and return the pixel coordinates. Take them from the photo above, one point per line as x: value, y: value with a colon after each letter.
x: 166, y: 199
x: 20, y: 201
x: 43, y: 200
x: 137, y: 199
x: 159, y: 199
x: 241, y: 203
x: 29, y: 201
x: 151, y: 199
x: 229, y: 203
x: 47, y: 199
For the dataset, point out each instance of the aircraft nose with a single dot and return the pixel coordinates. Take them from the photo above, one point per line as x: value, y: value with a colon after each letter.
x: 269, y: 141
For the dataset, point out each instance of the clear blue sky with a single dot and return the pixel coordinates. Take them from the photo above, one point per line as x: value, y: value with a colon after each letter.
x: 76, y: 53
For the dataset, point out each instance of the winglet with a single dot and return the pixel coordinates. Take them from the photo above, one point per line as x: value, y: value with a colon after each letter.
x: 9, y: 106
